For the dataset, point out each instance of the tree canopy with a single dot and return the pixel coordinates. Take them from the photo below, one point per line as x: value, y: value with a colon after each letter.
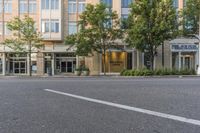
x: 99, y: 30
x: 191, y: 17
x: 25, y: 36
x: 151, y: 22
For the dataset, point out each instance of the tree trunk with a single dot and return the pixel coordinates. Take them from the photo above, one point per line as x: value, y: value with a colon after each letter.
x: 104, y: 62
x: 29, y: 56
x: 152, y: 61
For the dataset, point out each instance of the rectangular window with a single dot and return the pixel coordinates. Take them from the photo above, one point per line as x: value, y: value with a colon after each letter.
x: 124, y: 18
x: 1, y: 31
x: 23, y: 6
x: 54, y: 4
x: 126, y: 3
x: 45, y: 4
x: 81, y: 6
x: 8, y: 6
x: 55, y: 26
x: 107, y: 2
x: 175, y: 3
x: 45, y: 25
x: 72, y: 6
x: 6, y: 30
x: 32, y: 6
x: 72, y: 29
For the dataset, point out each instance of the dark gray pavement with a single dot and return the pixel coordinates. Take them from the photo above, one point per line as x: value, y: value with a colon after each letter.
x: 26, y: 108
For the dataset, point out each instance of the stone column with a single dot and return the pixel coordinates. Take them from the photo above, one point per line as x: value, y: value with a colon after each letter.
x: 53, y: 64
x: 28, y: 65
x: 4, y: 64
x: 179, y: 60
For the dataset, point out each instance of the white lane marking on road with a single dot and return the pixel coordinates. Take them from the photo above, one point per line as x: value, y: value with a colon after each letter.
x: 135, y: 109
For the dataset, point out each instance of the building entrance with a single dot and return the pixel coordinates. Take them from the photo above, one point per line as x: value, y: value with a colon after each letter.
x: 187, y: 61
x: 67, y: 66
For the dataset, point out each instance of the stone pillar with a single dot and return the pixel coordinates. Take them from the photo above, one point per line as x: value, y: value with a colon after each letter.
x: 28, y: 65
x: 179, y: 60
x: 77, y: 61
x: 53, y: 64
x: 4, y: 64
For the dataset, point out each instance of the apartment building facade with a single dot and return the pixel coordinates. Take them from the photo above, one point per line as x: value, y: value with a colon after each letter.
x: 56, y: 19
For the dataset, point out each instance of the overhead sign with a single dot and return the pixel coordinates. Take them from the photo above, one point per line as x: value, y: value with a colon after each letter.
x: 184, y: 47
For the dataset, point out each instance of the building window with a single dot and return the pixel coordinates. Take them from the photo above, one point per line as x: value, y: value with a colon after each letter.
x: 50, y: 25
x: 107, y: 2
x: 45, y: 4
x: 54, y: 4
x: 81, y: 6
x: 23, y: 6
x: 32, y: 6
x: 45, y: 25
x: 55, y: 26
x: 175, y: 3
x: 124, y: 24
x: 6, y: 30
x: 72, y: 6
x: 72, y: 28
x: 126, y: 3
x: 1, y: 31
x: 7, y: 6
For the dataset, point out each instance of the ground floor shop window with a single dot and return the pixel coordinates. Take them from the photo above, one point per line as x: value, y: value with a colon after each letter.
x: 117, y: 61
x: 183, y: 60
x: 65, y: 62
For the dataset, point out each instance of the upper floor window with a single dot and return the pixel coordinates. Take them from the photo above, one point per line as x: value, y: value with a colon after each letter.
x: 81, y: 6
x: 50, y: 25
x: 55, y: 25
x: 124, y: 19
x: 50, y: 4
x: 24, y: 6
x: 54, y: 4
x: 107, y: 2
x: 72, y: 29
x: 175, y: 3
x: 7, y: 6
x: 6, y: 30
x: 32, y: 6
x: 126, y: 3
x: 72, y: 6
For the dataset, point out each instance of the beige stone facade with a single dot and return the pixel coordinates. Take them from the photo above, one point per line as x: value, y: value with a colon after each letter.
x: 57, y: 20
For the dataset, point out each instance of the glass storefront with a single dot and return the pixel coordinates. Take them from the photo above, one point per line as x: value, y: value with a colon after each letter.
x: 117, y: 61
x: 184, y: 60
x: 17, y: 63
x: 1, y: 66
x: 65, y: 62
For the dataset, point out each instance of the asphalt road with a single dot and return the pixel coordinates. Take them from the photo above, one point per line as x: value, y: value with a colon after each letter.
x: 86, y: 105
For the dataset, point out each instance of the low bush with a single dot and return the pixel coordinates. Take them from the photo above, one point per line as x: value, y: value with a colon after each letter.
x: 159, y: 72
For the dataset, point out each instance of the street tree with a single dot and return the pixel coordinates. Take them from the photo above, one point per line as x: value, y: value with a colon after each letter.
x: 151, y: 22
x: 191, y: 17
x: 25, y: 37
x: 99, y: 30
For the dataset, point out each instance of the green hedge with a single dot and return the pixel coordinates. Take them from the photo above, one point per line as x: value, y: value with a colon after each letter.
x: 147, y: 72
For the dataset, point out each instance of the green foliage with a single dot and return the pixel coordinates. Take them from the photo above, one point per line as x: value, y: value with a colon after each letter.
x: 158, y: 72
x: 99, y: 29
x: 191, y: 17
x: 151, y: 22
x: 24, y: 33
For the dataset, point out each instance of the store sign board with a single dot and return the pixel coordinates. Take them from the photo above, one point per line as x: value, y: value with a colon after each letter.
x: 184, y: 48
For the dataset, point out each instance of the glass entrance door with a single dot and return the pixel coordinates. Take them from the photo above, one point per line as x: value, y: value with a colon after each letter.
x: 19, y: 67
x: 63, y: 67
x: 187, y: 62
x: 69, y: 66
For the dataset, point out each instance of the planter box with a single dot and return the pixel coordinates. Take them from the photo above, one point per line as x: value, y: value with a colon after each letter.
x: 77, y: 73
x: 85, y: 73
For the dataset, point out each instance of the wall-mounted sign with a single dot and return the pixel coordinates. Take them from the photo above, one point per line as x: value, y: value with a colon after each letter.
x: 184, y: 48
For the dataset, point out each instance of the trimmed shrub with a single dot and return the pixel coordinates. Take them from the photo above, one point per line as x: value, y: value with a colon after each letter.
x: 147, y: 72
